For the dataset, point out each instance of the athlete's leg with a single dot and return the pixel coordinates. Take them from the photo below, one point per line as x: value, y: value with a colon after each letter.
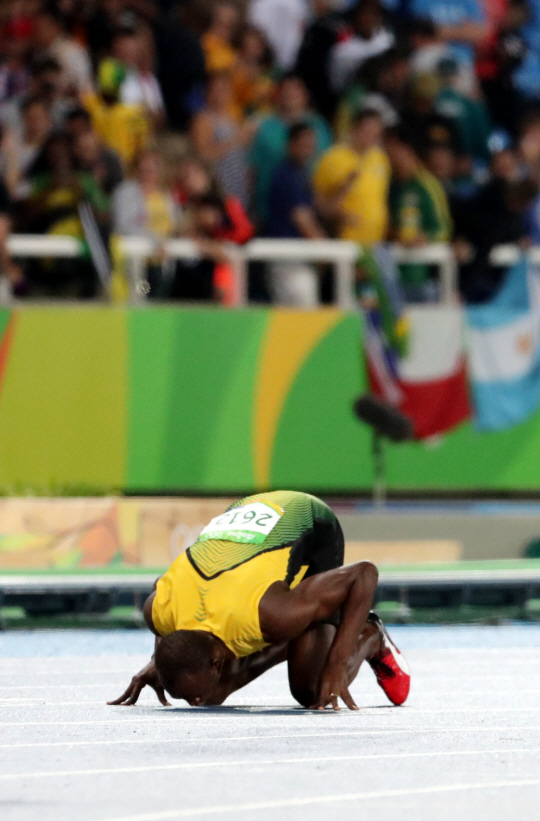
x: 322, y: 549
x: 307, y: 656
x: 305, y: 661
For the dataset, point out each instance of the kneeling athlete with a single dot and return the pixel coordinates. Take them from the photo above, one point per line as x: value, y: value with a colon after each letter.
x: 264, y: 583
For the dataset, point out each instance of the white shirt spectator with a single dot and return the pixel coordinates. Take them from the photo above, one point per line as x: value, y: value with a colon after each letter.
x: 347, y: 57
x: 142, y: 89
x: 283, y: 22
x: 75, y: 63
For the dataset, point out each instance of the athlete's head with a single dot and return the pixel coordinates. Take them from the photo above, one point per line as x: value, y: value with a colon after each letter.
x: 189, y: 663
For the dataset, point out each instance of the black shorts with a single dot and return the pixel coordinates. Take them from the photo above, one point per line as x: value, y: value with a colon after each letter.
x: 321, y: 548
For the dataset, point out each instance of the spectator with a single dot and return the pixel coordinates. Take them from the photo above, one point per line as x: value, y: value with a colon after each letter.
x: 283, y: 23
x: 52, y: 41
x: 45, y: 76
x: 497, y: 215
x: 419, y: 212
x: 180, y: 66
x: 253, y: 85
x: 367, y: 38
x: 453, y: 172
x: 123, y: 128
x: 24, y: 151
x: 423, y: 121
x: 291, y: 215
x: 98, y: 161
x: 52, y: 207
x: 77, y: 122
x: 461, y: 24
x: 428, y: 48
x: 219, y: 53
x: 500, y: 57
x: 196, y: 183
x: 135, y: 50
x: 221, y: 140
x: 217, y: 220
x: 10, y: 270
x: 212, y: 219
x: 527, y: 74
x: 313, y: 62
x: 144, y: 206
x: 440, y: 160
x: 529, y: 146
x: 14, y: 73
x: 351, y: 182
x: 381, y: 84
x: 505, y: 163
x: 470, y: 116
x: 269, y: 146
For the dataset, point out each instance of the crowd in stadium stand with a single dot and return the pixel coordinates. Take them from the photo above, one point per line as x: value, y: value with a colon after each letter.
x: 414, y: 121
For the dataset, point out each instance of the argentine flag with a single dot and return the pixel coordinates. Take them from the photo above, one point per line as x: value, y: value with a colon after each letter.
x: 504, y: 351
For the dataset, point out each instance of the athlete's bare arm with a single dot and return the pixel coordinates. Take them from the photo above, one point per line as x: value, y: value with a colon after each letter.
x: 148, y: 676
x: 286, y: 614
x: 239, y: 672
x: 235, y: 674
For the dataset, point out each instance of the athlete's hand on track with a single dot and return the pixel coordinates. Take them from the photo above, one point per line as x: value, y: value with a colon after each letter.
x: 334, y: 685
x: 147, y: 676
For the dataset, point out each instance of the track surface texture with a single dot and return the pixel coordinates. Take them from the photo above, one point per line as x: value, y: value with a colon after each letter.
x: 466, y: 745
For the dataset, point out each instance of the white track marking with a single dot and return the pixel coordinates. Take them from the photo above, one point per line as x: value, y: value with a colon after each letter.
x: 414, y: 653
x: 422, y: 675
x: 259, y: 737
x: 366, y: 710
x: 29, y: 700
x: 294, y: 713
x: 324, y: 799
x: 125, y: 671
x: 262, y: 701
x: 54, y: 686
x: 271, y: 762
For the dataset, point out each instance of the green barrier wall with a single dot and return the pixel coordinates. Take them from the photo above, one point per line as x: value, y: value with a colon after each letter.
x: 179, y: 399
x: 157, y: 399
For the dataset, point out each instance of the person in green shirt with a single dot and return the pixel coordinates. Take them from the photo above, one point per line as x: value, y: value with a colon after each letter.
x: 419, y: 211
x: 269, y: 146
x: 471, y: 117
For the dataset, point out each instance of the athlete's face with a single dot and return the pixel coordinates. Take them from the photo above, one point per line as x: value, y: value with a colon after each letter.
x: 196, y: 688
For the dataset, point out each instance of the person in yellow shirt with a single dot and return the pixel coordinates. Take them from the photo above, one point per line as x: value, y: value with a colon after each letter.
x: 352, y: 181
x: 219, y: 54
x: 123, y: 127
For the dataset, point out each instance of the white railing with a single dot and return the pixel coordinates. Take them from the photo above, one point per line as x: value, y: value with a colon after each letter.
x: 342, y: 255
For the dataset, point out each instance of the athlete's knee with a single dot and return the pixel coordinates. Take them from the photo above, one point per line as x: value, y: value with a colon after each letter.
x: 305, y: 696
x: 368, y: 572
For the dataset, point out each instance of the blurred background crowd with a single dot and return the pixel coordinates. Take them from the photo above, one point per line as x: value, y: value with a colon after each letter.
x: 413, y: 121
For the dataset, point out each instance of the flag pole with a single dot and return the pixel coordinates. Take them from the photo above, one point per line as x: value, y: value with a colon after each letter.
x: 386, y: 422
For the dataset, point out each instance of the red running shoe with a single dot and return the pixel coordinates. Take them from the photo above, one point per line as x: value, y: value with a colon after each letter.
x: 390, y: 667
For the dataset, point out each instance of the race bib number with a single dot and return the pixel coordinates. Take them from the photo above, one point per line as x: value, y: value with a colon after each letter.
x: 249, y: 524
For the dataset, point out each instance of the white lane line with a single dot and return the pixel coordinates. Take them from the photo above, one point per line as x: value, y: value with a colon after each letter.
x: 451, y: 675
x: 66, y: 674
x: 259, y: 762
x: 415, y: 653
x: 54, y: 686
x: 279, y: 699
x: 262, y: 702
x: 324, y: 799
x: 25, y: 701
x: 294, y: 712
x: 273, y: 737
